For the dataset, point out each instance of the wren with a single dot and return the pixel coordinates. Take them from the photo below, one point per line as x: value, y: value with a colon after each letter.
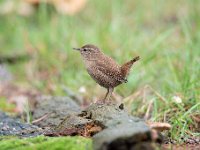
x: 103, y: 69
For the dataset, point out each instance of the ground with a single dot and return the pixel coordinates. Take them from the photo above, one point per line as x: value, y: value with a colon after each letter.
x: 163, y: 86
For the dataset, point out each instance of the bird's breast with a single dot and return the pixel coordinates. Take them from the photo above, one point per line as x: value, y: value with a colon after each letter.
x: 89, y: 64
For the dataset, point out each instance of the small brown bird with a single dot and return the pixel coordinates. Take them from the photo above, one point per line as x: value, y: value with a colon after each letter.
x: 103, y: 69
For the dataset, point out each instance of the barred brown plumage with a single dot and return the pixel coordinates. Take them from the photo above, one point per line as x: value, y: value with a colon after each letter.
x: 103, y: 69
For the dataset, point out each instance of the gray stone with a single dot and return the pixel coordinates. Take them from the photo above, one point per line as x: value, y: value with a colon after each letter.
x: 13, y: 126
x: 55, y: 109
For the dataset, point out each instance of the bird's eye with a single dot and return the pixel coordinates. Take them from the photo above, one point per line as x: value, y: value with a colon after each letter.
x: 84, y: 49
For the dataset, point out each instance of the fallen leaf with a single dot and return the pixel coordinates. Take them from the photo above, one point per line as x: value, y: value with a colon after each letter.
x: 159, y: 126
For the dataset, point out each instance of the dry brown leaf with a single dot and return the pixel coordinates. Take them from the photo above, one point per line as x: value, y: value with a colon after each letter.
x: 92, y: 129
x: 159, y: 126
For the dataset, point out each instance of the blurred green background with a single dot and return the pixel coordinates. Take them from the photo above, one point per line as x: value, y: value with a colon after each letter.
x: 165, y: 34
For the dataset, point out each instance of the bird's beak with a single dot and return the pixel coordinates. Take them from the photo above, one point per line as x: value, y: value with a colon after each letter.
x: 78, y: 49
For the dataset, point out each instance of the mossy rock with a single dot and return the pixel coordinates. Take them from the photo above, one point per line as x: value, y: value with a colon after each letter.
x: 42, y: 142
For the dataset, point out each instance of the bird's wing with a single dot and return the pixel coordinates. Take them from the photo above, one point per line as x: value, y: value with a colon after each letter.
x: 110, y: 68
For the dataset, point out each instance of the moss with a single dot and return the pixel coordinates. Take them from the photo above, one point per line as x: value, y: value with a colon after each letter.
x: 41, y: 142
x: 5, y: 106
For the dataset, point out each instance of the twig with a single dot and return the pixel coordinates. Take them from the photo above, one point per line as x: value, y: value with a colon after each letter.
x: 148, y: 110
x: 41, y: 118
x: 157, y: 94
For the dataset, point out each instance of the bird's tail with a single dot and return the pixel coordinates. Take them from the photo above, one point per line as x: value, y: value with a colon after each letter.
x: 125, y: 68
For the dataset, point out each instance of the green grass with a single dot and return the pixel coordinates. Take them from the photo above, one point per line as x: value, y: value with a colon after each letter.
x: 4, y: 106
x: 166, y: 35
x: 41, y: 142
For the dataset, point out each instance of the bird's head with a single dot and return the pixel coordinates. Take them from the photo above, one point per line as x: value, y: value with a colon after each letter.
x: 89, y: 51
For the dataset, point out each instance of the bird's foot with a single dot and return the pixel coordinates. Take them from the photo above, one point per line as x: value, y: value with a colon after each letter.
x: 104, y: 102
x: 100, y: 102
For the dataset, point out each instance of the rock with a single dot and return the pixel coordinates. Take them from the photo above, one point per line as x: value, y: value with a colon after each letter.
x: 51, y: 111
x: 121, y: 131
x: 11, y: 126
x: 73, y: 125
x: 77, y: 98
x: 109, y: 126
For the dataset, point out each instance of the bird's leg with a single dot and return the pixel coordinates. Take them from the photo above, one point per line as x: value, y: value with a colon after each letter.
x: 108, y: 95
x: 104, y: 100
x: 110, y: 90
